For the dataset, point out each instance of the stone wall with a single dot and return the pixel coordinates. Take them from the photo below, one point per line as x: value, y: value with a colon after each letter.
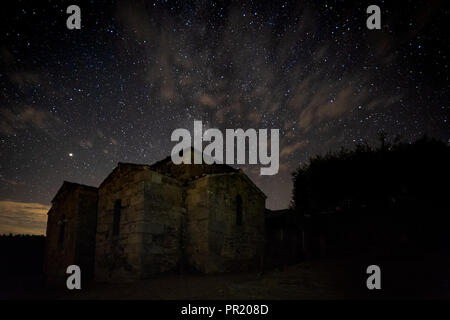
x: 163, y: 225
x: 60, y: 253
x: 146, y: 220
x: 216, y: 243
x: 197, y: 205
x: 85, y: 240
x: 149, y: 240
x: 74, y: 210
x: 119, y: 257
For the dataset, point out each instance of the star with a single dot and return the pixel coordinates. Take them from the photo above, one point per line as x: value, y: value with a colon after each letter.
x: 118, y: 98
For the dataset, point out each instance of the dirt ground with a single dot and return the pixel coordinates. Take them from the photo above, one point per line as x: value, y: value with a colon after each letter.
x: 308, y: 280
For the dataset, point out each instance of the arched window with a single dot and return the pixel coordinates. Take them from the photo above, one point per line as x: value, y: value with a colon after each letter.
x: 116, y: 221
x: 238, y: 210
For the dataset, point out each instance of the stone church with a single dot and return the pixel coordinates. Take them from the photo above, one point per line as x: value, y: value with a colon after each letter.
x: 145, y: 220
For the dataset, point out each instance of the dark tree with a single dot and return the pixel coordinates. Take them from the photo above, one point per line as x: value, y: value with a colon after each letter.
x: 391, y: 195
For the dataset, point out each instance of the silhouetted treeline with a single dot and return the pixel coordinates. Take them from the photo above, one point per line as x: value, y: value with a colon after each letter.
x: 389, y: 199
x: 21, y: 254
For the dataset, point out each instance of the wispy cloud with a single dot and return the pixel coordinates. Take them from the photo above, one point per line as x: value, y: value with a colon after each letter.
x: 291, y: 148
x: 22, y: 78
x: 28, y: 117
x: 86, y: 144
x: 23, y: 217
x: 269, y: 77
x: 10, y: 181
x: 326, y: 106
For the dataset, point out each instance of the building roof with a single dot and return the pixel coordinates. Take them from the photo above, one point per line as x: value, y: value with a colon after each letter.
x: 185, y: 172
x: 126, y: 165
x: 70, y: 187
x: 182, y: 172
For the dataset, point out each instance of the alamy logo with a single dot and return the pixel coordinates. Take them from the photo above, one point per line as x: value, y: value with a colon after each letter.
x: 257, y: 147
x: 374, y: 280
x: 74, y: 20
x: 74, y: 280
x: 374, y: 20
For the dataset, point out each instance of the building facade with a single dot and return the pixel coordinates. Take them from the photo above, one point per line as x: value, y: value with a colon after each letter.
x: 71, y: 228
x: 152, y: 219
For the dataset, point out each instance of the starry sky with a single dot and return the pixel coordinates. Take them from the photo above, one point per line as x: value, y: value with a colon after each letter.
x: 74, y: 103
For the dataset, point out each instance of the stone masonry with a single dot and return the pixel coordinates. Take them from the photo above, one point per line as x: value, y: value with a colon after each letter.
x: 71, y: 231
x: 152, y: 219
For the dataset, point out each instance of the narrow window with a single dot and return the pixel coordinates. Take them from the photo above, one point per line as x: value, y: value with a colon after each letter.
x: 238, y: 210
x: 116, y: 221
x: 62, y: 229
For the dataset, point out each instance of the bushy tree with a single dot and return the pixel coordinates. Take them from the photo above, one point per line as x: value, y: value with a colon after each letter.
x: 406, y: 182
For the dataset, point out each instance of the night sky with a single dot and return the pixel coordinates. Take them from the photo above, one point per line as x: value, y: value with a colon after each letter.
x: 74, y: 103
